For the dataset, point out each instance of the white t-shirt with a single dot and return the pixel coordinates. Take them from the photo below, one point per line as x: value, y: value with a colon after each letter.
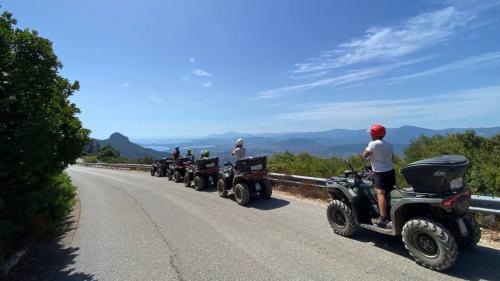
x: 381, y: 155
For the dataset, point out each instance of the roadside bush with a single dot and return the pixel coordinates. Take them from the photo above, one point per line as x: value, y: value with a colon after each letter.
x: 40, y: 136
x: 89, y: 159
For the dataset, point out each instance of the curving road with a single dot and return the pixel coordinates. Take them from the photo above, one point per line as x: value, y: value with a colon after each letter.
x: 137, y: 227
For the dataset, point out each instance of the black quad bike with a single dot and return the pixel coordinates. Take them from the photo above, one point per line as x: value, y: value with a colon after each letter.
x: 432, y: 215
x: 177, y: 168
x: 160, y: 167
x: 203, y: 172
x: 247, y: 177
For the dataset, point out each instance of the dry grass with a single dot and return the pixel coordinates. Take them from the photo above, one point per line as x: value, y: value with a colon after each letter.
x: 304, y: 191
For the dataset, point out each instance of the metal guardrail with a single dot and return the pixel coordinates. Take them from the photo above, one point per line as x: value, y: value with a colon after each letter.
x: 479, y: 203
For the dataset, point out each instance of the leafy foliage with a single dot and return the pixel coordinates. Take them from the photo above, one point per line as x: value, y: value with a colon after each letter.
x: 107, y: 153
x: 483, y: 176
x: 39, y: 132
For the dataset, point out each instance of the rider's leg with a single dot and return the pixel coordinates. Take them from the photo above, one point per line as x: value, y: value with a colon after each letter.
x: 382, y: 202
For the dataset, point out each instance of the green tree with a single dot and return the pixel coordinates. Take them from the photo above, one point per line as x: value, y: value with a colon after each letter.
x: 107, y: 153
x: 40, y: 133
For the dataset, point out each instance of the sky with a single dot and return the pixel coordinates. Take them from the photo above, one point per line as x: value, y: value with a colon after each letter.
x: 154, y: 68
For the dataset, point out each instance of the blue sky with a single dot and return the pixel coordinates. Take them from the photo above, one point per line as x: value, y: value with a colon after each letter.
x: 152, y: 69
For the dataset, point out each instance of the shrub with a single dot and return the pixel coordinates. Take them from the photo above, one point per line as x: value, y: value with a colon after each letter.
x: 40, y: 135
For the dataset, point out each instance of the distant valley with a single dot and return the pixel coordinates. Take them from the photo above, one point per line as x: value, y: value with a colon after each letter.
x: 336, y: 142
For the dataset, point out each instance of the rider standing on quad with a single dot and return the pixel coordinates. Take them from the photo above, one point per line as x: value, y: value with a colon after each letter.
x: 381, y: 155
x: 176, y: 153
x: 239, y: 151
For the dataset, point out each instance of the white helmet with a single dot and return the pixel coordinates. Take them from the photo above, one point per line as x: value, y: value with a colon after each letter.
x: 239, y: 142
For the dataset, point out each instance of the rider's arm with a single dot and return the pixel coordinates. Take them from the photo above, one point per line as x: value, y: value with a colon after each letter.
x: 368, y: 150
x: 366, y: 153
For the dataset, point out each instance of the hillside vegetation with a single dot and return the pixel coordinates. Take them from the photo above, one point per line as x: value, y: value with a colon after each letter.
x: 483, y: 176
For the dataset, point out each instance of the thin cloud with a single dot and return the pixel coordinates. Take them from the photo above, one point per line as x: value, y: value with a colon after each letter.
x: 450, y: 107
x: 207, y: 84
x: 192, y: 60
x: 201, y: 73
x: 380, y: 43
x: 156, y: 99
x: 464, y: 64
x: 384, y: 50
x: 348, y: 78
x: 126, y: 85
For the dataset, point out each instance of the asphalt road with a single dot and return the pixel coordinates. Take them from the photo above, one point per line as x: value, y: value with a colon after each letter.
x: 136, y: 227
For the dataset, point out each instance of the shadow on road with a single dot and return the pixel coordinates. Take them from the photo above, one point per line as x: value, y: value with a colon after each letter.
x: 480, y: 263
x: 52, y: 259
x: 267, y: 204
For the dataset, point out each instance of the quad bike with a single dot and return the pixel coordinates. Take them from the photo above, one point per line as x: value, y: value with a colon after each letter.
x: 203, y: 172
x: 432, y: 215
x: 177, y: 168
x: 160, y: 167
x: 247, y: 177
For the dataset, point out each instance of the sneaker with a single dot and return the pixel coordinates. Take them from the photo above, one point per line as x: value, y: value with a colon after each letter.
x: 380, y: 222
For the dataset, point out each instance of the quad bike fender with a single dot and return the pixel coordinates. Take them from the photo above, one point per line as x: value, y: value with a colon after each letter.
x: 346, y: 195
x: 342, y: 193
x: 408, y: 208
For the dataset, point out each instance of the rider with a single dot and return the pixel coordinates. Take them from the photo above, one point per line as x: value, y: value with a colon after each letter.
x: 189, y: 153
x: 381, y: 155
x: 176, y: 153
x: 205, y: 154
x: 239, y: 151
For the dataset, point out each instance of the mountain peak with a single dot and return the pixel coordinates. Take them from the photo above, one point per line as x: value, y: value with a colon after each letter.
x: 118, y: 136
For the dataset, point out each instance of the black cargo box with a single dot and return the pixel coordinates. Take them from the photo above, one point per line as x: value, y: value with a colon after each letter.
x: 184, y: 160
x: 437, y: 175
x: 207, y: 163
x: 251, y: 164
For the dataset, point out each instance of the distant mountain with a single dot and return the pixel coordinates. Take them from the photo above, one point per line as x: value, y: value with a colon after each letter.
x: 335, y: 142
x: 129, y: 149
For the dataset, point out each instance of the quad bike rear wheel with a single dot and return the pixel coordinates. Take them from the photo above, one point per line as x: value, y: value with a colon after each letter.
x: 152, y: 172
x: 241, y: 193
x: 266, y: 189
x: 177, y: 176
x: 187, y: 182
x: 430, y: 243
x: 221, y: 188
x: 169, y: 175
x: 199, y: 183
x: 341, y: 218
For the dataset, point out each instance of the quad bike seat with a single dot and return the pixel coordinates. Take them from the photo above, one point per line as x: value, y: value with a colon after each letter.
x: 398, y: 192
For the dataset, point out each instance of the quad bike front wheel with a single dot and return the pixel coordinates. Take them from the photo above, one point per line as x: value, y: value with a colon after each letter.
x: 199, y: 183
x: 241, y: 193
x: 221, y: 188
x: 266, y: 189
x: 177, y: 176
x: 341, y: 218
x: 430, y: 244
x: 187, y: 182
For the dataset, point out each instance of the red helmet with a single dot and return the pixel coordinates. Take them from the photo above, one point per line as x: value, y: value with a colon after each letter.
x: 377, y: 131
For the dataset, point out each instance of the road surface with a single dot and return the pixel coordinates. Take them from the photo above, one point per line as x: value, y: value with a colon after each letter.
x: 136, y: 227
